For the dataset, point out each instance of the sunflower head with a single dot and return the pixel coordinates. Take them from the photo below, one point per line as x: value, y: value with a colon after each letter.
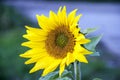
x: 57, y: 43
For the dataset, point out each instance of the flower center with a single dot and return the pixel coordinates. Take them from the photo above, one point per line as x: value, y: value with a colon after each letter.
x: 61, y: 40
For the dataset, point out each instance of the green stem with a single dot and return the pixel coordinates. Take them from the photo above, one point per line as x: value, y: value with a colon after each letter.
x: 77, y: 71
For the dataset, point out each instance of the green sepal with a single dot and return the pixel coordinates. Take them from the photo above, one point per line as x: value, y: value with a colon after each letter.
x: 66, y: 75
x: 92, y: 45
x: 89, y: 30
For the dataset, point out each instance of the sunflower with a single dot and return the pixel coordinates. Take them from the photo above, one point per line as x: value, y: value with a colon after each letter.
x: 57, y: 43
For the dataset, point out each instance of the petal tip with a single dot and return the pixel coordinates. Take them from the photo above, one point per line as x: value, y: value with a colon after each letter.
x: 27, y: 27
x: 31, y: 71
x: 23, y: 44
x: 21, y: 55
x: 27, y: 62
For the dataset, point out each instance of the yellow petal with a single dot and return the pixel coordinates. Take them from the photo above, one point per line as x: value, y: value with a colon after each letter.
x: 45, y: 23
x: 62, y: 16
x: 59, y: 10
x: 41, y: 21
x: 36, y: 57
x: 76, y: 32
x: 73, y: 27
x: 32, y: 60
x: 70, y: 58
x: 51, y: 67
x: 32, y: 52
x: 34, y: 37
x: 53, y: 18
x: 63, y: 12
x: 62, y: 66
x: 77, y: 18
x: 79, y: 37
x: 33, y: 44
x: 71, y: 17
x: 79, y: 49
x: 80, y: 57
x: 83, y: 41
x: 42, y: 63
x: 36, y: 31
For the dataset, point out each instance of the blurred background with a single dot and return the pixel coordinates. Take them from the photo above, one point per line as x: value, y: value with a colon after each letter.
x: 104, y: 14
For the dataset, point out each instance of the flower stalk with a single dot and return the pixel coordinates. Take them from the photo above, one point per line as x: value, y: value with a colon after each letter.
x: 77, y: 71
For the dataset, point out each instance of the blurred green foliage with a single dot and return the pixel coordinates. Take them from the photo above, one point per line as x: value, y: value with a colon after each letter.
x: 10, y: 18
x: 12, y: 66
x: 11, y: 30
x: 97, y: 68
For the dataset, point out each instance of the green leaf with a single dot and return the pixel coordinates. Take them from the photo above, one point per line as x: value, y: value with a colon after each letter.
x: 89, y: 30
x: 97, y: 79
x: 50, y: 76
x: 65, y: 78
x: 67, y: 73
x: 55, y: 76
x: 92, y: 45
x: 94, y: 41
